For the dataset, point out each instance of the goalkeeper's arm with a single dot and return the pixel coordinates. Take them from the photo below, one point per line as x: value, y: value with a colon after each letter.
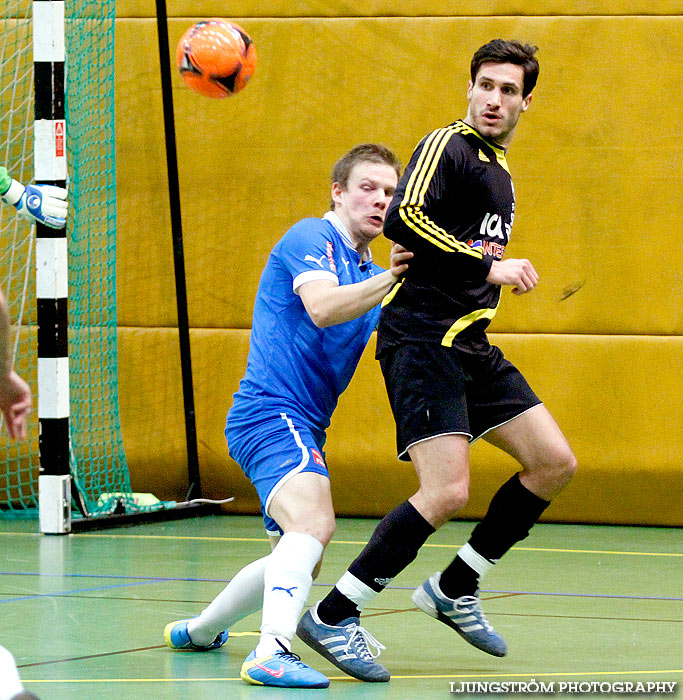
x: 43, y: 203
x: 15, y: 394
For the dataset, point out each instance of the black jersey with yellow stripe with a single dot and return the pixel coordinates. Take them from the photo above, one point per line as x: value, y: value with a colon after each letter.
x: 453, y: 208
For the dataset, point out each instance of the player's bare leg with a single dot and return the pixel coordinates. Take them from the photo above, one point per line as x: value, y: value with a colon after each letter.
x: 303, y: 509
x: 535, y: 440
x: 442, y: 466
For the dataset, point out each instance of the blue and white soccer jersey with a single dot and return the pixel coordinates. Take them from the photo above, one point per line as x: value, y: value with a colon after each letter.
x: 295, y: 370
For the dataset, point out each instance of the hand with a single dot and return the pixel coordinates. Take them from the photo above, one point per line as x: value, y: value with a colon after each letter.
x: 398, y: 255
x: 43, y: 203
x: 15, y: 404
x: 518, y: 273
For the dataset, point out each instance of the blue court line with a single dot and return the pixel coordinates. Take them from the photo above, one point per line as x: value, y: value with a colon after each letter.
x: 163, y: 579
x: 116, y: 576
x: 62, y: 594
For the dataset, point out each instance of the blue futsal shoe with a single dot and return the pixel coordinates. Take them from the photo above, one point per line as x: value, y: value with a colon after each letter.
x: 177, y: 637
x: 463, y: 614
x: 345, y: 645
x: 283, y: 669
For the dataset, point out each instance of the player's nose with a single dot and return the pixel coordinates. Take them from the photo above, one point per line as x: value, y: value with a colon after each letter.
x: 493, y: 98
x: 381, y: 201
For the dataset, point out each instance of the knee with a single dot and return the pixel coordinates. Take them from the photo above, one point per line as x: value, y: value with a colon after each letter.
x: 316, y: 569
x: 331, y: 526
x: 322, y: 528
x: 557, y: 470
x: 320, y: 525
x: 455, y: 498
x: 571, y: 466
x: 565, y: 466
x: 444, y: 503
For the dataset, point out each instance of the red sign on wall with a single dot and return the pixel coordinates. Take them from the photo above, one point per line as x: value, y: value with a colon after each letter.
x: 59, y: 138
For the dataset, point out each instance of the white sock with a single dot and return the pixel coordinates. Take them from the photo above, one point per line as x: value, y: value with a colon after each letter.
x: 288, y: 581
x: 10, y: 684
x: 241, y: 597
x: 474, y: 560
x: 355, y: 590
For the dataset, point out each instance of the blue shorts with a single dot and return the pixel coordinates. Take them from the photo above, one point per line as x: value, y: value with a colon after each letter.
x: 272, y: 451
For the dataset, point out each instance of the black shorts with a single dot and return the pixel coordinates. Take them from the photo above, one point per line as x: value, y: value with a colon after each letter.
x: 435, y: 390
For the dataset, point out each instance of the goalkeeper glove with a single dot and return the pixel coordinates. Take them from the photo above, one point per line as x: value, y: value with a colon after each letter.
x: 43, y: 203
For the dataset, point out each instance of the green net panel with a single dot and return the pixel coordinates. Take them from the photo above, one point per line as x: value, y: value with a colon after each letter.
x: 98, y: 460
x: 18, y: 461
x: 97, y: 457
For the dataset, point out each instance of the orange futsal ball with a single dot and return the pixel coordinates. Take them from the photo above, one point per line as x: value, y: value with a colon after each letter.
x: 216, y: 58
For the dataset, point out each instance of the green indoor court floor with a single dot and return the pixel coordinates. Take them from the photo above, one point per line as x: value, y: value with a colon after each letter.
x: 84, y: 614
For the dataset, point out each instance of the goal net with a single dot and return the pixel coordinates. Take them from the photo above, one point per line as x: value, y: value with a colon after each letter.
x: 97, y: 457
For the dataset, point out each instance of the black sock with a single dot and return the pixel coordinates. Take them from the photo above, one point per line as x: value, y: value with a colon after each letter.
x: 459, y: 579
x: 512, y: 513
x: 393, y: 545
x: 335, y: 607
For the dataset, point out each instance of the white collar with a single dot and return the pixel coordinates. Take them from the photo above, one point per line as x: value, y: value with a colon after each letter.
x: 343, y: 232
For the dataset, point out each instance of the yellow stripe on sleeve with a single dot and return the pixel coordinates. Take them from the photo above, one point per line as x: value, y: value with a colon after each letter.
x: 418, y: 183
x: 391, y: 293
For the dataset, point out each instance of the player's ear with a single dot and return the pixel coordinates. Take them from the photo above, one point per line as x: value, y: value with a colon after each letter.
x: 470, y: 85
x: 526, y: 102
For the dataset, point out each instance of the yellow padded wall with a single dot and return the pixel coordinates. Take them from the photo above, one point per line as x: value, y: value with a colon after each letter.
x: 617, y: 400
x: 152, y: 410
x: 596, y: 177
x: 405, y: 8
x: 595, y: 183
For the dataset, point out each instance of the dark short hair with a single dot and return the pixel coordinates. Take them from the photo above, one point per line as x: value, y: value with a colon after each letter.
x: 513, y: 51
x: 363, y: 153
x: 25, y: 695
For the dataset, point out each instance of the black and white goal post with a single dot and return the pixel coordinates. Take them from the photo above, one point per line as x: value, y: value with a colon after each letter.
x: 54, y: 481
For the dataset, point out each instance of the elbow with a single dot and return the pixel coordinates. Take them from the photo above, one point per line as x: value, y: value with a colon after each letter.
x: 324, y: 322
x: 319, y: 322
x: 321, y: 317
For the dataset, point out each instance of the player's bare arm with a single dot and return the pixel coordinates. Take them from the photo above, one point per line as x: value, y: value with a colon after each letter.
x: 518, y: 273
x: 15, y: 395
x: 329, y: 304
x: 15, y: 404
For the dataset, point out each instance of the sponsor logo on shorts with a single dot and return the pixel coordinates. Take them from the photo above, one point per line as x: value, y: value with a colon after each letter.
x: 318, y: 458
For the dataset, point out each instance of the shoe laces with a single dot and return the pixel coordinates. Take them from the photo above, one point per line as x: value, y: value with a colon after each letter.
x: 361, y: 640
x: 471, y: 605
x: 289, y: 655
